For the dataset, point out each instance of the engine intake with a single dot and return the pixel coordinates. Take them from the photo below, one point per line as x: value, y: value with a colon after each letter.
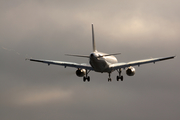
x: 130, y: 71
x: 80, y: 72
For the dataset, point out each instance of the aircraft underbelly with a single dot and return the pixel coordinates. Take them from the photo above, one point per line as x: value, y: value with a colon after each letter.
x: 101, y: 63
x: 100, y: 66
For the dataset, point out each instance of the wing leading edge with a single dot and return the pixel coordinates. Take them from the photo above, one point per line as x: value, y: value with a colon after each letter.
x: 63, y: 63
x: 138, y: 62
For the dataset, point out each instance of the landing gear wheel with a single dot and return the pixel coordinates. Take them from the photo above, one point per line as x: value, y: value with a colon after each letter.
x: 121, y: 78
x: 86, y: 78
x: 117, y: 78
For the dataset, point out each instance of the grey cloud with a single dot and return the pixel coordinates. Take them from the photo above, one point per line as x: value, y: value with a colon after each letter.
x: 49, y: 29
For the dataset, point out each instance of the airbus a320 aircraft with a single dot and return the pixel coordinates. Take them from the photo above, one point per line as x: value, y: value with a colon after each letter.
x: 101, y: 62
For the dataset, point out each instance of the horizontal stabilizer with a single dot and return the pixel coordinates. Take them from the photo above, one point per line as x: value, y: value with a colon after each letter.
x: 85, y: 56
x: 110, y: 54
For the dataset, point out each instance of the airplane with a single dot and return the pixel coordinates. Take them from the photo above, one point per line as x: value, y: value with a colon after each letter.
x: 101, y: 62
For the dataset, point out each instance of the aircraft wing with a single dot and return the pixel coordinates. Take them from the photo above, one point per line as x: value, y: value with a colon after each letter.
x: 138, y: 62
x: 63, y: 63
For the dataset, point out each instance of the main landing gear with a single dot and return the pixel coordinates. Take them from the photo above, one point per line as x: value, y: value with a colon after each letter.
x: 86, y: 77
x: 120, y: 77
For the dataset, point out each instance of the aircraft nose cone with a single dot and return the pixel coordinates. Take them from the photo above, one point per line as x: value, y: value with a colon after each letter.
x: 93, y: 55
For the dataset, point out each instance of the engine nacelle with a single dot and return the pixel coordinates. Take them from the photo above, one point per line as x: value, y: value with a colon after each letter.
x: 80, y: 72
x: 130, y: 71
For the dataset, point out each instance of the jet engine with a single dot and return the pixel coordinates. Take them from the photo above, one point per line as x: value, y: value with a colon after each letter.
x: 80, y: 72
x: 130, y: 71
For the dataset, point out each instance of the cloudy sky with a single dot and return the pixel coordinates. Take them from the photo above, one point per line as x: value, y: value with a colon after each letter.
x: 45, y: 29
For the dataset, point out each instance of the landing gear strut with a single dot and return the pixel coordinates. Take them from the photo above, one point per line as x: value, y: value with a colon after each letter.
x: 120, y: 76
x: 86, y: 77
x: 109, y: 79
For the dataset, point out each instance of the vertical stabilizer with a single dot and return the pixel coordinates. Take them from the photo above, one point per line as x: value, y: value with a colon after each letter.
x: 93, y: 39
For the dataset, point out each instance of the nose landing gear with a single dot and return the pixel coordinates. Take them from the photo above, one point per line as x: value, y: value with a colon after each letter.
x: 109, y: 79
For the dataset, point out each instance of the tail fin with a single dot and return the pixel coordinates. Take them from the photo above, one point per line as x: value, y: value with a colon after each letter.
x: 93, y: 39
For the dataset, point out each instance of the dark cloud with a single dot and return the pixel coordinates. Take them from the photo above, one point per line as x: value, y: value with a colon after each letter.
x: 49, y: 29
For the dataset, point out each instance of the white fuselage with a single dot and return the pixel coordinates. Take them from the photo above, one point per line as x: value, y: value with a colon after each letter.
x: 101, y: 63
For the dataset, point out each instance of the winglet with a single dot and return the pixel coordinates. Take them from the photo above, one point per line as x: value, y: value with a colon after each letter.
x: 27, y: 59
x: 93, y: 39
